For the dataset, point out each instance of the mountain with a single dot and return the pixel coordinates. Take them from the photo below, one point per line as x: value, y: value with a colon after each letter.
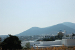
x: 69, y: 24
x: 69, y: 27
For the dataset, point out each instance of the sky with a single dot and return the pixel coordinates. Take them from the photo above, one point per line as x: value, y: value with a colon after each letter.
x: 17, y: 16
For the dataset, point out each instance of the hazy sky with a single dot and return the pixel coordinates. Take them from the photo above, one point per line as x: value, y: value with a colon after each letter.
x: 17, y: 16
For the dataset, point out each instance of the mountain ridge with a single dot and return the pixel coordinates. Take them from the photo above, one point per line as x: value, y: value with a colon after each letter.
x: 48, y: 30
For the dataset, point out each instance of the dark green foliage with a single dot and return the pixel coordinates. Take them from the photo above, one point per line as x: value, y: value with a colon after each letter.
x: 73, y: 34
x: 67, y: 35
x: 0, y: 44
x: 11, y: 42
x: 27, y: 45
x: 59, y: 36
x: 49, y: 39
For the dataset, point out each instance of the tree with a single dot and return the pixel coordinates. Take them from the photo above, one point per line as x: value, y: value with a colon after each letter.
x: 27, y: 45
x: 60, y: 35
x: 11, y: 42
x: 0, y: 42
x: 49, y: 39
x: 73, y: 34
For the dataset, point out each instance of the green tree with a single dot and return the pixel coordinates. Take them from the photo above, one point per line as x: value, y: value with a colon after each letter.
x: 49, y: 39
x: 60, y: 35
x: 73, y: 34
x: 0, y: 42
x: 27, y: 46
x: 11, y: 42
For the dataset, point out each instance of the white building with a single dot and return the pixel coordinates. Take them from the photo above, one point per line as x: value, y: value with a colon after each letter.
x: 48, y: 36
x: 68, y: 37
x: 48, y: 43
x: 67, y: 41
x: 31, y: 43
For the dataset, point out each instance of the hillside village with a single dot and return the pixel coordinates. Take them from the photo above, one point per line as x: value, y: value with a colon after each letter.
x: 62, y: 37
x: 44, y: 41
x: 67, y: 40
x: 37, y: 24
x: 37, y: 40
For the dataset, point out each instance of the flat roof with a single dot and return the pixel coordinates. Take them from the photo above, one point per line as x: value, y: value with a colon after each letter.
x: 56, y: 45
x: 49, y: 46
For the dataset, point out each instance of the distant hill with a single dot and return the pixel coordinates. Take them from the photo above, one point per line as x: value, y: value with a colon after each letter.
x: 69, y: 24
x: 4, y: 35
x: 69, y: 27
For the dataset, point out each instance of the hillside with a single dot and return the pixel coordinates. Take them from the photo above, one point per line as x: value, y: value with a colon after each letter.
x: 69, y: 24
x: 49, y: 30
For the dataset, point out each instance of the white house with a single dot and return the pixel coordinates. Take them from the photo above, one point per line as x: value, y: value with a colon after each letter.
x: 49, y: 36
x: 67, y: 41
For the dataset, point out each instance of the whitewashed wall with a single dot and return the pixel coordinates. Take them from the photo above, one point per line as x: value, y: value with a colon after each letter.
x: 64, y: 42
x: 34, y: 42
x: 57, y: 42
x: 68, y: 42
x: 24, y: 43
x: 48, y: 43
x: 31, y: 43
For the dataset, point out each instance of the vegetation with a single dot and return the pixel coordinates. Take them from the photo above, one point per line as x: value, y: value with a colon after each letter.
x: 59, y: 35
x: 11, y: 42
x: 49, y: 39
x: 55, y: 48
x: 73, y: 34
x: 0, y: 45
x: 51, y: 48
x: 27, y: 46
